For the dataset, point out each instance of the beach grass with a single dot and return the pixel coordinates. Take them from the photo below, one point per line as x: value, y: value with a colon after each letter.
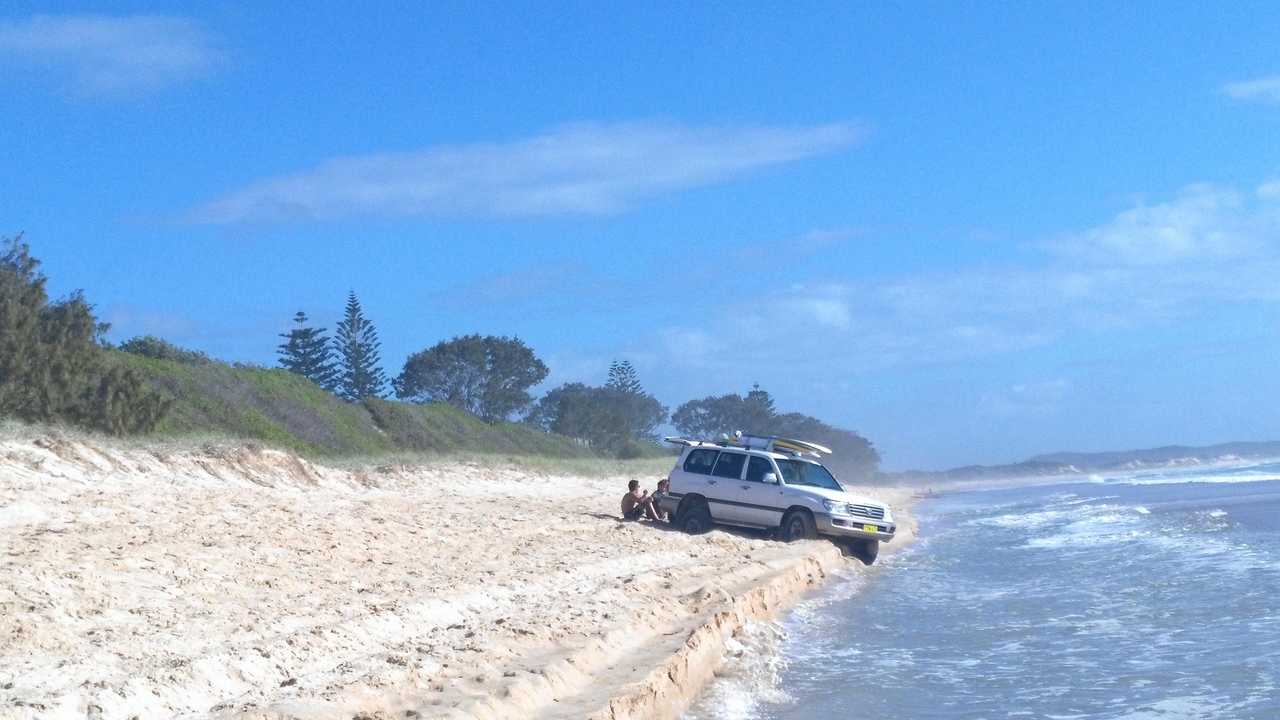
x: 274, y: 407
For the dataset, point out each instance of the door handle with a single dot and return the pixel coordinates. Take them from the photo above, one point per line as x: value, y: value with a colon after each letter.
x: 746, y: 487
x: 711, y: 482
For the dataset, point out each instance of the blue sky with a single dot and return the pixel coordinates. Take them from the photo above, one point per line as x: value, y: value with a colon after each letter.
x: 971, y: 233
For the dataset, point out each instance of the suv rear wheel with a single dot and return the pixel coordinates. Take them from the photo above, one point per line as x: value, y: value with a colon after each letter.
x: 797, y: 525
x: 695, y: 517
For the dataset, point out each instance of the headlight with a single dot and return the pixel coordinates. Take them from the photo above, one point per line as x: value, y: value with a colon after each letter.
x: 834, y: 506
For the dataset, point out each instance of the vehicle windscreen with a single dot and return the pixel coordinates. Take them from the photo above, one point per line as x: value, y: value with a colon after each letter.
x: 798, y: 472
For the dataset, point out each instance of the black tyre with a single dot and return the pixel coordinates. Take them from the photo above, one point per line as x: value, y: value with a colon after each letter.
x: 797, y: 525
x: 695, y: 518
x: 864, y: 550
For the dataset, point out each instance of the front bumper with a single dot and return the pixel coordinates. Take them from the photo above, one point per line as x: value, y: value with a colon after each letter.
x: 855, y: 527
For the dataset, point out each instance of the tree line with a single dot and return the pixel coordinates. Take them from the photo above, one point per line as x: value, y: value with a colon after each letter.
x: 56, y: 366
x: 485, y: 375
x: 853, y: 455
x: 491, y: 377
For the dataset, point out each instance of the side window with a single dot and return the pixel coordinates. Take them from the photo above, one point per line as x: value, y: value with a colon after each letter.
x: 700, y: 461
x: 757, y: 467
x: 730, y: 465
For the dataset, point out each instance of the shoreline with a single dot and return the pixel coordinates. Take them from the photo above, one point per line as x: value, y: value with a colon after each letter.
x: 246, y: 583
x: 676, y: 683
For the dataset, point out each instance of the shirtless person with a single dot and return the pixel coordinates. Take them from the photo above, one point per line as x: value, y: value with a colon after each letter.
x: 636, y: 504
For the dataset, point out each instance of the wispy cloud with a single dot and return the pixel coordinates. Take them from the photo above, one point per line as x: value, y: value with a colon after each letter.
x: 824, y: 307
x: 1265, y: 89
x: 108, y: 55
x: 1204, y: 223
x: 127, y: 322
x: 1151, y: 264
x: 585, y: 169
x: 1024, y: 399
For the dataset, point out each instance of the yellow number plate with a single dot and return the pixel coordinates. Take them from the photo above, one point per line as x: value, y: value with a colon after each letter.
x: 871, y: 528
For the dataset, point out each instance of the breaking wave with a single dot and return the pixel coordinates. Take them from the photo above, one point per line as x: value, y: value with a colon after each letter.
x: 1045, y: 602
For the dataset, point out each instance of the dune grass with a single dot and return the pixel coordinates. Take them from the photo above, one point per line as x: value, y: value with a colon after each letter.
x: 647, y: 469
x: 219, y: 404
x: 272, y: 406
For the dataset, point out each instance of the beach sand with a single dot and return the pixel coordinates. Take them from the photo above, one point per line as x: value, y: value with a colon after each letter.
x: 247, y: 583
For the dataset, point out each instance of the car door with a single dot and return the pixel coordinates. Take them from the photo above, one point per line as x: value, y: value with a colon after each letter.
x: 694, y: 473
x: 759, y: 501
x: 723, y: 487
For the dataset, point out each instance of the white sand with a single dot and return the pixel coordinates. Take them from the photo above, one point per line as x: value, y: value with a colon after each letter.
x: 250, y: 584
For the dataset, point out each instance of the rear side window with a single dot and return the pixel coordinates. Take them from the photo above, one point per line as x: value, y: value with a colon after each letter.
x: 757, y: 468
x: 700, y: 461
x: 730, y: 465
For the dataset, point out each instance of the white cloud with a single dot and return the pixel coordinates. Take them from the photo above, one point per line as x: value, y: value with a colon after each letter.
x: 1025, y: 399
x: 690, y: 347
x: 521, y: 286
x: 106, y: 55
x: 824, y: 306
x: 127, y: 322
x: 576, y: 169
x: 1148, y: 265
x: 1205, y: 223
x: 826, y: 312
x: 1265, y: 89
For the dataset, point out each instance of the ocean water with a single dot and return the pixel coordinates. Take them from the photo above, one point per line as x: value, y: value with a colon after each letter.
x: 1151, y: 596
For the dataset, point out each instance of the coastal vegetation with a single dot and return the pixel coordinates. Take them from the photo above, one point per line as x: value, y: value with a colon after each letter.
x: 330, y: 396
x: 854, y: 456
x: 489, y: 377
x: 284, y: 409
x: 52, y: 365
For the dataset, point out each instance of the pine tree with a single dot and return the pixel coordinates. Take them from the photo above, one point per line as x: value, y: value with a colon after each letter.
x: 640, y: 413
x: 757, y: 411
x: 306, y: 351
x: 623, y: 377
x: 357, y: 346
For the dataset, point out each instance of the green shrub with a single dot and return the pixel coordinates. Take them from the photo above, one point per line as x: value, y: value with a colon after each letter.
x: 51, y: 366
x: 153, y: 347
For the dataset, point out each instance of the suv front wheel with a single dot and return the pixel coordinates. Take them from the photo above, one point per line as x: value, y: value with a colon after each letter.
x: 864, y: 550
x: 797, y: 525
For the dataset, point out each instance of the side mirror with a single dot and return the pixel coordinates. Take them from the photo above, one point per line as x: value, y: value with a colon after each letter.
x: 770, y: 478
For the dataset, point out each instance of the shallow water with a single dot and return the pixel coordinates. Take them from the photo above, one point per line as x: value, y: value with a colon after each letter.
x: 1146, y: 596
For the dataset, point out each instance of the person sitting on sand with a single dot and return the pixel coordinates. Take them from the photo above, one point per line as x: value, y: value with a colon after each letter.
x: 664, y: 487
x: 636, y: 504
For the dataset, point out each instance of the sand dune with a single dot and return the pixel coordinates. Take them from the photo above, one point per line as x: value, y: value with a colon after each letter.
x: 248, y: 583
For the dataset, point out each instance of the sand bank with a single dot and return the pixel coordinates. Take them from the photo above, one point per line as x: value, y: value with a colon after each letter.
x: 248, y: 583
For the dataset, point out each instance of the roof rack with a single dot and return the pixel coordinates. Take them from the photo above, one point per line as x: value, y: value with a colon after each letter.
x: 768, y: 443
x: 687, y: 441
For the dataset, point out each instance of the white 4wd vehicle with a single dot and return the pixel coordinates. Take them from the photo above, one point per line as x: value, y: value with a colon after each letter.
x: 771, y: 483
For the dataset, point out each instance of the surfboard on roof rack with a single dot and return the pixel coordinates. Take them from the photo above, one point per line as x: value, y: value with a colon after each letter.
x: 768, y: 443
x: 686, y: 441
x: 773, y: 443
x: 801, y: 446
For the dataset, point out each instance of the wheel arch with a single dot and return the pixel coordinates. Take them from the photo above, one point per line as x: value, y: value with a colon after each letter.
x: 808, y: 523
x: 694, y: 508
x: 795, y: 508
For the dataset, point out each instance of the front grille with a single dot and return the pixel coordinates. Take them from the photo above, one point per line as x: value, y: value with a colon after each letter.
x: 867, y: 511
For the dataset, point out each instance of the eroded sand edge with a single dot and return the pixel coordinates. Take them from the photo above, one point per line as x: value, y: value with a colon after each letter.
x: 242, y: 582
